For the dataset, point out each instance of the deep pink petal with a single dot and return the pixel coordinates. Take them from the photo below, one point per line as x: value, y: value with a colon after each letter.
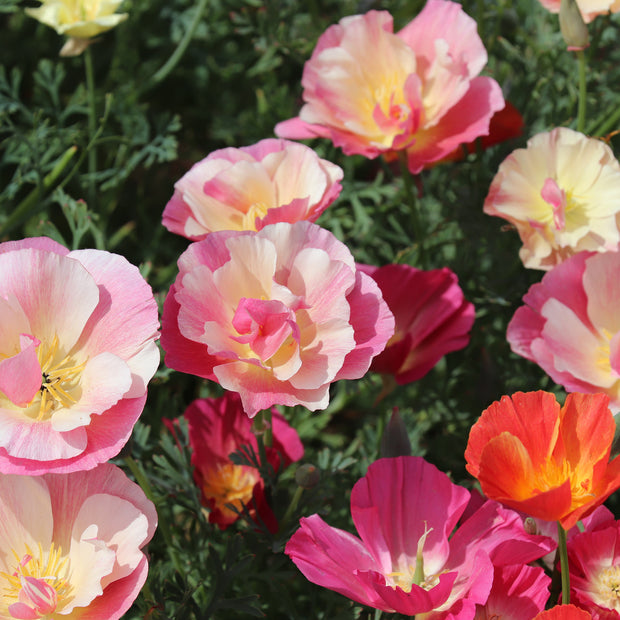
x: 331, y: 558
x: 391, y: 518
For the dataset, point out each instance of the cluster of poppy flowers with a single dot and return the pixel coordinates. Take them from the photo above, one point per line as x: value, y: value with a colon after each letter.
x: 274, y: 308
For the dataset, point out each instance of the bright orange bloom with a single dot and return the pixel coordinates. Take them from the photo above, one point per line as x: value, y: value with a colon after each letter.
x: 547, y: 462
x: 564, y: 612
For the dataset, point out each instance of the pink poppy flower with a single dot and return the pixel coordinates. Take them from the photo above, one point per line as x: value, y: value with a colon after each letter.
x: 594, y: 565
x: 77, y: 349
x: 276, y: 315
x: 372, y: 91
x: 562, y: 193
x: 570, y: 325
x: 589, y: 8
x: 71, y: 544
x: 247, y: 188
x: 432, y: 318
x: 218, y: 427
x: 408, y: 559
x: 518, y: 591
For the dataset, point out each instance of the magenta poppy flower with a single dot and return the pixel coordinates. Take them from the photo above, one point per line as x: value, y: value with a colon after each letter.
x: 276, y: 315
x: 77, y: 349
x: 432, y: 318
x: 372, y: 91
x: 219, y: 427
x: 407, y: 558
x: 570, y: 325
x: 71, y: 544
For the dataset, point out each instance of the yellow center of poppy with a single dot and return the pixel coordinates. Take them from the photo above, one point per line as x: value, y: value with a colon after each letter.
x: 256, y: 210
x: 60, y: 380
x: 230, y: 486
x: 414, y: 574
x: 39, y: 582
x: 553, y: 474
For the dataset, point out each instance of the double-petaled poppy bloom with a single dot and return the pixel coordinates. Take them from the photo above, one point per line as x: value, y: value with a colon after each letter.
x: 548, y: 462
x: 570, y: 325
x: 276, y: 315
x: 71, y: 544
x: 372, y: 91
x: 218, y: 427
x: 562, y: 193
x: 247, y: 188
x: 77, y: 349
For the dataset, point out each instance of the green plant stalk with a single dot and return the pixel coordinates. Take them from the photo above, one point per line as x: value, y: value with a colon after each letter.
x: 92, y: 127
x: 581, y: 110
x: 563, y: 551
x: 162, y: 524
x: 291, y: 509
x: 25, y: 206
x: 415, y: 216
x: 602, y: 127
x: 176, y: 56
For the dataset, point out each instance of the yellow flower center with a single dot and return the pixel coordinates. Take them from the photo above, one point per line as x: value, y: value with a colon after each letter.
x: 38, y: 582
x: 60, y: 380
x: 414, y: 574
x: 606, y: 586
x: 230, y: 485
x: 553, y: 474
x: 256, y: 210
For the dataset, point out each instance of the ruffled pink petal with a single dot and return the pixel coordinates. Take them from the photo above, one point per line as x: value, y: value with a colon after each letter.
x: 446, y: 21
x: 373, y: 326
x: 182, y: 353
x: 467, y: 120
x: 260, y: 390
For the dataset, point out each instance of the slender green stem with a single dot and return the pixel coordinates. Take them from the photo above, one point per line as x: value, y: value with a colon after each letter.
x: 602, y: 127
x: 162, y: 524
x: 23, y: 209
x: 581, y: 110
x: 415, y: 216
x: 291, y: 509
x: 92, y: 127
x: 563, y: 551
x: 176, y: 56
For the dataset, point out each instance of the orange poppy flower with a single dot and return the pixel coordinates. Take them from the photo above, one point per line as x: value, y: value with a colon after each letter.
x: 548, y: 462
x: 564, y: 612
